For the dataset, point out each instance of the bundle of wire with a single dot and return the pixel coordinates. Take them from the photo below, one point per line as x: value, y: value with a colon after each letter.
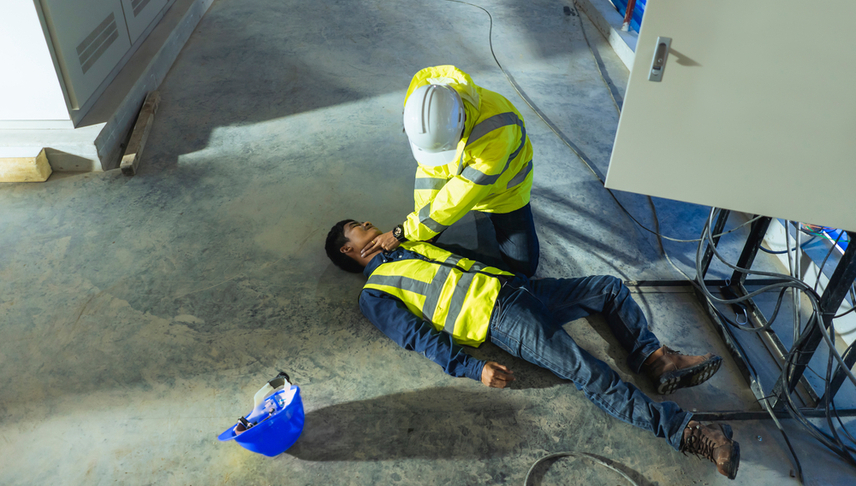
x: 833, y: 439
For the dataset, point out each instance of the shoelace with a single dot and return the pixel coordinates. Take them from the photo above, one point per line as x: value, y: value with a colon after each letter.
x: 699, y: 444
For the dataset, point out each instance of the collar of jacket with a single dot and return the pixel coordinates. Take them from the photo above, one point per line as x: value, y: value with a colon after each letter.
x: 388, y: 256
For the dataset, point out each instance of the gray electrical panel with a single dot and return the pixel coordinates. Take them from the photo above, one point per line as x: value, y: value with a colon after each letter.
x: 91, y: 37
x: 749, y: 107
x: 139, y: 14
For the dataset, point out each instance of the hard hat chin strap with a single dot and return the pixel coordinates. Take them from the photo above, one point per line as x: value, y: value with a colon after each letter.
x: 271, y: 386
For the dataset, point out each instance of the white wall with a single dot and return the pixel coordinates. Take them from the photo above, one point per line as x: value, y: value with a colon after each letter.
x: 29, y: 87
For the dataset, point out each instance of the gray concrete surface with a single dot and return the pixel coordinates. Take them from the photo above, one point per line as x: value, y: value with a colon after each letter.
x: 138, y: 315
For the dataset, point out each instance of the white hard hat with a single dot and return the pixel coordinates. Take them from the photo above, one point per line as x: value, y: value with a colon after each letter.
x: 434, y: 123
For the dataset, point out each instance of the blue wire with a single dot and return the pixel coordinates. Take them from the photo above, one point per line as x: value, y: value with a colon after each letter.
x: 785, y: 251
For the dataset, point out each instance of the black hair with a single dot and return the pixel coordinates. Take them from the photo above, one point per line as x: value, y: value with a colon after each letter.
x: 335, y: 241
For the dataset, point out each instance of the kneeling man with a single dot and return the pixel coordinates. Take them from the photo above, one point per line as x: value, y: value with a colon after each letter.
x: 432, y: 301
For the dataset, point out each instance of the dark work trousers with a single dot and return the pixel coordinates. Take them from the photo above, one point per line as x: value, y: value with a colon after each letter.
x: 518, y: 242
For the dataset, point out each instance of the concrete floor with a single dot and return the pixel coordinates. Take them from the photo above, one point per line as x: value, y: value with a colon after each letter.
x: 138, y: 315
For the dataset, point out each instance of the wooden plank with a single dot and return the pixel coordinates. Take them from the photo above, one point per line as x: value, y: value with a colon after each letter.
x: 140, y: 134
x: 25, y: 169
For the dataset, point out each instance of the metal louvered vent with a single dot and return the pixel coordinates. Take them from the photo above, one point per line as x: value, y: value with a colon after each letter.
x: 97, y: 42
x: 139, y: 5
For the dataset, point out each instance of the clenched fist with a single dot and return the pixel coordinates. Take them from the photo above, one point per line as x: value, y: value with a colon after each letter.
x: 496, y: 375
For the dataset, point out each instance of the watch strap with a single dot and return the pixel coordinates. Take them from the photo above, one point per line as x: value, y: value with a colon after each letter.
x: 398, y: 232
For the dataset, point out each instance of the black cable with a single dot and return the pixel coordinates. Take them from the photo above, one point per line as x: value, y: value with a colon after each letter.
x: 833, y: 442
x: 765, y: 327
x: 834, y: 409
x: 592, y: 457
x: 773, y: 252
x: 790, y: 282
x: 852, y: 303
x: 823, y: 264
x: 753, y: 374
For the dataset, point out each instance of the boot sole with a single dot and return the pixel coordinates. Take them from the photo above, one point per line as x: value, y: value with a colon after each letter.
x: 688, y: 377
x: 735, y: 450
x: 735, y: 460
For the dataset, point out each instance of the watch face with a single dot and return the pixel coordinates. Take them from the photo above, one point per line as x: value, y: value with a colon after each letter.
x: 397, y: 232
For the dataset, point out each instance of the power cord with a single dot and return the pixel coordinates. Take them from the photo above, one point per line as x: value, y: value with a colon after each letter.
x: 564, y: 138
x: 782, y: 252
x: 592, y: 457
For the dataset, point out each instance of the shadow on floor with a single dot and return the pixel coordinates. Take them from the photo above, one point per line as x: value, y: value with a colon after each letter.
x: 242, y: 68
x: 433, y: 423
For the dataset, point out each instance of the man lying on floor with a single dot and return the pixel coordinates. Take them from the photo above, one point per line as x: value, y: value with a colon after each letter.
x: 432, y: 301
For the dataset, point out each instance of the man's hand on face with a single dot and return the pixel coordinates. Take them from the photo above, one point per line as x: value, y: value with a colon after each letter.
x: 385, y: 241
x: 496, y: 375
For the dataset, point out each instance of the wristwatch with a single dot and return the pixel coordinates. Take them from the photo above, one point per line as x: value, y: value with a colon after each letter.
x: 398, y: 233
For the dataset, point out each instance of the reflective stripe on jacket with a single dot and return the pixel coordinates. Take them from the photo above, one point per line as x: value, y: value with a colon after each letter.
x: 455, y: 294
x: 492, y: 171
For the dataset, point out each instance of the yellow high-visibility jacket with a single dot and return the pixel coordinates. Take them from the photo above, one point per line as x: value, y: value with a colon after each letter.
x: 492, y: 171
x: 454, y: 294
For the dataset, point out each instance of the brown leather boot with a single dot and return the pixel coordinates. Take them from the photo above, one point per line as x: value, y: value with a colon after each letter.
x: 713, y: 442
x: 670, y: 370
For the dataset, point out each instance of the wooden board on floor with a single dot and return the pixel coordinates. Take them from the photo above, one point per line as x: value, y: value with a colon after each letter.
x: 140, y: 134
x: 25, y: 169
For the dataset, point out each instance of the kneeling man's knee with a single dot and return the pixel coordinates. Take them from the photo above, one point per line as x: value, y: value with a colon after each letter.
x: 614, y: 285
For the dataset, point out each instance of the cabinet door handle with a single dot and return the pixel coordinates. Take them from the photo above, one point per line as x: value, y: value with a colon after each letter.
x: 658, y: 64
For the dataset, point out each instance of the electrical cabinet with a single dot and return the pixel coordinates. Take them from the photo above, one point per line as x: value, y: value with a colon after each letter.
x: 747, y: 106
x: 91, y: 37
x: 139, y: 14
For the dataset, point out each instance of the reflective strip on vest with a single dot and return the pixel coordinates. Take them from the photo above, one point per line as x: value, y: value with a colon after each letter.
x: 521, y: 176
x: 496, y: 121
x: 457, y: 302
x: 426, y: 219
x: 443, y: 300
x: 429, y: 290
x: 429, y: 183
x: 432, y: 297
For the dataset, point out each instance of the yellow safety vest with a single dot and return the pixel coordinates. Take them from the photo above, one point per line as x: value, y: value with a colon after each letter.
x: 492, y: 171
x: 454, y: 294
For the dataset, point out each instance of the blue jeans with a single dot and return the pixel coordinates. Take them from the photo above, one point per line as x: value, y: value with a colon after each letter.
x: 527, y: 322
x: 518, y: 242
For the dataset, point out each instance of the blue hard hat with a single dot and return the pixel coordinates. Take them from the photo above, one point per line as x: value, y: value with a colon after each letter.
x: 275, y: 422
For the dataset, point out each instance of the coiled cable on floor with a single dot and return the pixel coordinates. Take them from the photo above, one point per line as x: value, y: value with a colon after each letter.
x: 592, y: 457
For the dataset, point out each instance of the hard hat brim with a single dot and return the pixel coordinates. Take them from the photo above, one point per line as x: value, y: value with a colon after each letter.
x: 432, y: 159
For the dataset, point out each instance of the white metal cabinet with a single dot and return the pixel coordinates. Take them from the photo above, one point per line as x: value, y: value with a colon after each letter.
x: 139, y: 14
x: 755, y: 111
x: 89, y: 38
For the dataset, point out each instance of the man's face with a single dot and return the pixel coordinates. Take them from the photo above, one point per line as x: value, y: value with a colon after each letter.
x: 361, y: 234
